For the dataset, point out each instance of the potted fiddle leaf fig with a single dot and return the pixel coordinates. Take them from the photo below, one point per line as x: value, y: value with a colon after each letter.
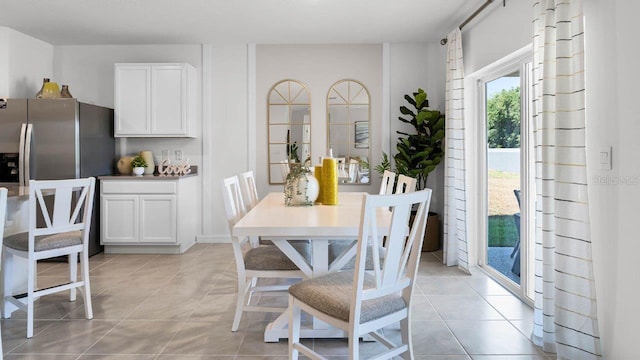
x: 421, y: 151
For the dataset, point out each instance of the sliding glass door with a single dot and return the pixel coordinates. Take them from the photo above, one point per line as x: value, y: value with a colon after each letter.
x: 502, y: 103
x: 507, y: 175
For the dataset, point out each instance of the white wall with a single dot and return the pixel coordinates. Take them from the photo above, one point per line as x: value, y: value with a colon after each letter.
x: 226, y: 130
x: 24, y: 62
x: 413, y: 66
x: 4, y: 62
x: 611, y: 52
x: 318, y: 67
x: 496, y: 32
x: 89, y: 72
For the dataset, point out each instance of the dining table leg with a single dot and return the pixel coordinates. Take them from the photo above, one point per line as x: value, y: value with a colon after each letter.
x: 278, y: 329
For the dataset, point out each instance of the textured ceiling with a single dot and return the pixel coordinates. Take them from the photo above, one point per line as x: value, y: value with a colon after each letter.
x: 83, y: 22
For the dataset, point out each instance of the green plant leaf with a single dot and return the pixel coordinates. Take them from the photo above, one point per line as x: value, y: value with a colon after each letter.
x: 421, y: 96
x: 422, y: 115
x: 438, y: 135
x: 419, y: 153
x: 410, y: 100
x: 405, y: 111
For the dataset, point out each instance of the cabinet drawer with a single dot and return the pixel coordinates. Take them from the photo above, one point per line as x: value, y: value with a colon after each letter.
x: 139, y: 187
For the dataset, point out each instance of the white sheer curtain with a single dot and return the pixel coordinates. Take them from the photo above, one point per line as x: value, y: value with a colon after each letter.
x: 455, y: 204
x: 565, y: 310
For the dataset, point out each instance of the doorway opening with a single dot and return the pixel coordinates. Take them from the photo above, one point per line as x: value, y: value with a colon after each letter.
x: 506, y: 174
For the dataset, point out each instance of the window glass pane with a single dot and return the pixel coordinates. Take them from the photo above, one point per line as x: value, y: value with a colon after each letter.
x: 502, y: 104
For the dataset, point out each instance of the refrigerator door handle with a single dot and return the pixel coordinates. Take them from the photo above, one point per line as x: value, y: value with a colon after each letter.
x: 27, y: 155
x: 21, y: 154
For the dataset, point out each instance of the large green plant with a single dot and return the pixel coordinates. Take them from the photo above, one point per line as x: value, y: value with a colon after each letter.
x: 420, y: 153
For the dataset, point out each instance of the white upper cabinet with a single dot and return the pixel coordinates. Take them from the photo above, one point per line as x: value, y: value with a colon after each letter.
x: 155, y: 100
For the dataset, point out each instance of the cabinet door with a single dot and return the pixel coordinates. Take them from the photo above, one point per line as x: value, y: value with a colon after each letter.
x: 158, y: 218
x: 119, y: 219
x: 132, y: 100
x: 168, y: 100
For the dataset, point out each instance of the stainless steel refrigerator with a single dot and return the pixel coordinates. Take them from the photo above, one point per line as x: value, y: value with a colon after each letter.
x: 56, y: 139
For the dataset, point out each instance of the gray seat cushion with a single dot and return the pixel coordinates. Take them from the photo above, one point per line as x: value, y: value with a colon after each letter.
x: 269, y: 242
x: 331, y: 294
x: 46, y: 242
x: 269, y: 257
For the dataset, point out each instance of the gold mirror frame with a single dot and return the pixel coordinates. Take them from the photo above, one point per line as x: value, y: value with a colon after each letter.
x: 348, y: 124
x: 289, y: 127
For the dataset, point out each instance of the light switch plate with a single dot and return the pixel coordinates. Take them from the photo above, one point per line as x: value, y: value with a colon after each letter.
x: 604, y: 158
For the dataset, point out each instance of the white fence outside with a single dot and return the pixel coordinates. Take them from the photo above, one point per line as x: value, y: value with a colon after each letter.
x: 507, y: 160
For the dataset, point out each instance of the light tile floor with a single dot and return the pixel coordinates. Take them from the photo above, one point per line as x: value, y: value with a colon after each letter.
x: 181, y: 307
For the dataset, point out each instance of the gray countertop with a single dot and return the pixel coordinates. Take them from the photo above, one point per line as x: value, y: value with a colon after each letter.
x: 144, y: 177
x: 194, y: 172
x: 22, y: 192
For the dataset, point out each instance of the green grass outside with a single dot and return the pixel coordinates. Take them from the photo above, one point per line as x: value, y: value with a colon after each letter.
x: 502, y: 231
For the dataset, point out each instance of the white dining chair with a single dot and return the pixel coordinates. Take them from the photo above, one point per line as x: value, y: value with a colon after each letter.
x: 405, y: 184
x: 3, y: 216
x: 362, y: 302
x: 255, y: 261
x: 249, y: 189
x: 388, y: 182
x: 250, y: 196
x: 65, y: 232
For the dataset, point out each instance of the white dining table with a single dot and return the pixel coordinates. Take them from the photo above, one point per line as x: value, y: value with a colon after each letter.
x: 272, y: 220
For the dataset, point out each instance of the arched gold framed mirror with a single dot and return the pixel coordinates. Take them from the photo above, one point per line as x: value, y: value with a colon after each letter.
x: 289, y: 127
x: 348, y: 120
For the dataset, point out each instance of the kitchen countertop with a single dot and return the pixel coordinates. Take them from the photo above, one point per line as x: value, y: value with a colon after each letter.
x: 194, y: 172
x: 22, y: 192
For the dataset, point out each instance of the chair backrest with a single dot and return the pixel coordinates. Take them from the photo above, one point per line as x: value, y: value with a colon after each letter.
x: 517, y: 195
x: 249, y: 189
x: 233, y: 201
x: 284, y: 169
x: 399, y: 267
x: 353, y: 170
x: 70, y: 211
x: 3, y: 212
x: 405, y: 184
x: 388, y: 182
x: 235, y: 209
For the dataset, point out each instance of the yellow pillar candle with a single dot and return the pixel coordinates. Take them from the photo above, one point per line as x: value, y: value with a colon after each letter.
x: 329, y: 183
x: 317, y: 172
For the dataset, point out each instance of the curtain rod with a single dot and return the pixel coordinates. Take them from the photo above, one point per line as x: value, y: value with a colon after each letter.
x: 475, y: 13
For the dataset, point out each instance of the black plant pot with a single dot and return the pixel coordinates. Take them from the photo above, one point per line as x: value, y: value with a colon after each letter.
x: 431, y: 241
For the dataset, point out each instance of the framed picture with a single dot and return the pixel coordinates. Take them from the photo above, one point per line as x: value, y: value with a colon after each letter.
x: 361, y: 139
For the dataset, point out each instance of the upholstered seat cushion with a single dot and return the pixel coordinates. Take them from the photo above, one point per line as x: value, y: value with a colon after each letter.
x: 46, y: 242
x: 269, y: 257
x: 331, y: 294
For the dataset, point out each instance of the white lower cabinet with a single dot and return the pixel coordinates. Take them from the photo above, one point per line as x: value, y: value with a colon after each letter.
x: 158, y: 218
x: 148, y: 216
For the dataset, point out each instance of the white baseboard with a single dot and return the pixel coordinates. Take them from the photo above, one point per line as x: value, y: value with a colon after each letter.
x: 213, y: 239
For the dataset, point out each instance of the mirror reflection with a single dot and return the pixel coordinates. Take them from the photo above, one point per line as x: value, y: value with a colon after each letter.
x: 348, y: 115
x: 289, y: 120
